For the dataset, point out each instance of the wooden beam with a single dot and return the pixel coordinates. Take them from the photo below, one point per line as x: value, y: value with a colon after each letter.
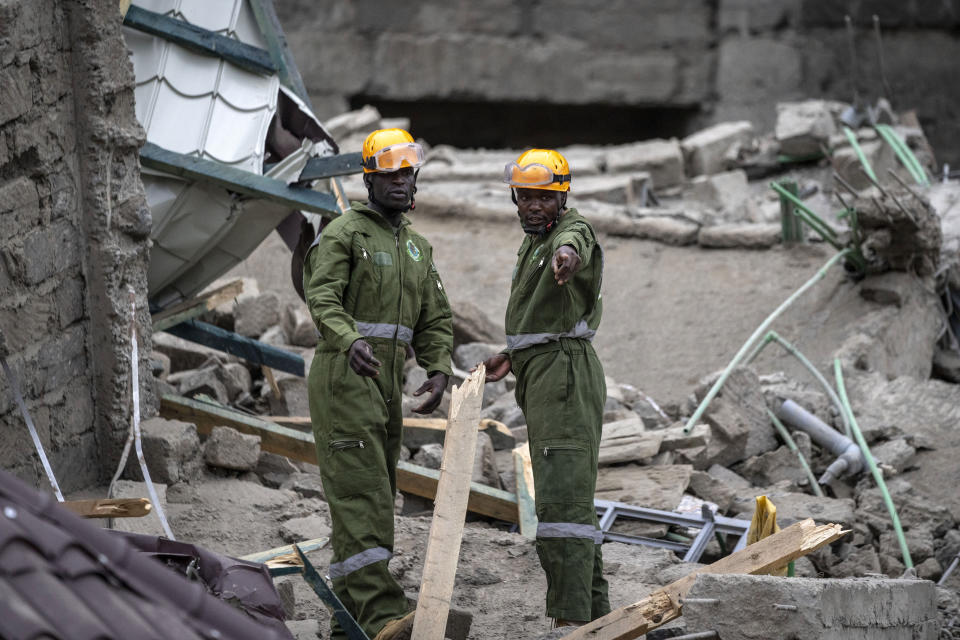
x: 109, y: 507
x: 247, y: 348
x: 238, y: 180
x: 450, y: 509
x: 200, y: 40
x: 266, y: 16
x: 274, y: 438
x: 196, y: 306
x: 526, y: 493
x: 330, y: 166
x: 666, y: 604
x: 487, y: 501
x: 299, y: 445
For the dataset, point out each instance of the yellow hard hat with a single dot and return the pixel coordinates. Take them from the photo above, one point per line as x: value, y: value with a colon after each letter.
x: 539, y: 169
x: 387, y: 150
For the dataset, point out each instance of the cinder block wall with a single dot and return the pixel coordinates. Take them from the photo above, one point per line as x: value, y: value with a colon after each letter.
x: 74, y: 230
x: 731, y: 58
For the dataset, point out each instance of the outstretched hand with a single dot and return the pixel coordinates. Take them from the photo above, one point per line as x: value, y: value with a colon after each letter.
x: 435, y: 386
x: 497, y: 367
x: 565, y: 263
x: 362, y: 360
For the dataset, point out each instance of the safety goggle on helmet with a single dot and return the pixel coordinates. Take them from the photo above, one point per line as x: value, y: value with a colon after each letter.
x: 538, y: 169
x: 394, y: 157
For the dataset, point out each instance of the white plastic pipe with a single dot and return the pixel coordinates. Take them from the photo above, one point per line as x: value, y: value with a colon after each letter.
x: 849, y: 456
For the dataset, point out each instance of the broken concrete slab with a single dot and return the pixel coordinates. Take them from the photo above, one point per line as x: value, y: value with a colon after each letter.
x: 774, y: 466
x: 825, y: 608
x: 184, y: 355
x: 471, y: 324
x: 467, y: 356
x: 307, y: 485
x: 629, y: 449
x: 299, y: 327
x: 705, y: 151
x: 894, y: 455
x: 804, y: 128
x: 430, y: 456
x: 229, y: 449
x: 254, y: 315
x: 484, y: 465
x: 171, y: 449
x: 626, y: 189
x: 273, y: 470
x: 306, y: 528
x: 708, y: 488
x: 196, y: 382
x: 846, y: 161
x: 662, y: 159
x: 743, y: 236
x: 659, y: 487
x: 667, y: 229
x: 235, y: 378
x: 722, y: 197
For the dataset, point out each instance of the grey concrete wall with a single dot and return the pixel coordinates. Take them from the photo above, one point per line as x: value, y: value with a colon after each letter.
x: 731, y: 58
x: 73, y: 235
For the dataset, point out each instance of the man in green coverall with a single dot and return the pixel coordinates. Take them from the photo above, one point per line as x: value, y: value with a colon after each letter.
x: 373, y: 290
x: 553, y: 313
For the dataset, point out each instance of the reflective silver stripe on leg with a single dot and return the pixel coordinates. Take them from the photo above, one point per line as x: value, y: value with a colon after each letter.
x: 524, y: 340
x: 385, y: 330
x: 569, y: 530
x: 359, y: 561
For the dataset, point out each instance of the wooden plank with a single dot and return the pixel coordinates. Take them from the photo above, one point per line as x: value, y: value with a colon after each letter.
x: 450, y: 509
x: 286, y: 550
x: 109, y: 507
x: 484, y: 500
x: 331, y: 166
x: 200, y: 40
x: 666, y: 604
x: 238, y: 180
x: 250, y: 350
x: 272, y: 381
x: 196, y: 306
x: 299, y: 445
x: 526, y: 492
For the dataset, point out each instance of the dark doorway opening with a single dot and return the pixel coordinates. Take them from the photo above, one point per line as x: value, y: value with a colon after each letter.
x: 466, y: 124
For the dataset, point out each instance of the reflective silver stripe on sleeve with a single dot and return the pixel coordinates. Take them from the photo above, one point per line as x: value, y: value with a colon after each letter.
x: 524, y: 340
x: 569, y: 530
x: 359, y: 561
x: 385, y: 330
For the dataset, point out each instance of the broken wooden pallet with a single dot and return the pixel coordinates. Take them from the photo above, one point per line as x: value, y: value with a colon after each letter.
x: 666, y: 604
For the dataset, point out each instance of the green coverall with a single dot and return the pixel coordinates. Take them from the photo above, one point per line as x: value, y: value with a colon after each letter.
x: 365, y: 279
x: 561, y: 390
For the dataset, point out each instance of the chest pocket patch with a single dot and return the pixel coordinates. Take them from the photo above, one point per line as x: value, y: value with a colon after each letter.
x: 382, y: 259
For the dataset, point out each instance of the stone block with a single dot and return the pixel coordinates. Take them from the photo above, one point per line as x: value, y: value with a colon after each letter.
x: 847, y: 163
x: 705, y: 151
x: 740, y: 236
x: 708, y: 488
x: 274, y: 469
x: 774, y: 466
x: 829, y: 609
x: 235, y: 378
x: 308, y: 629
x: 920, y: 543
x: 295, y: 397
x: 230, y: 449
x: 430, y: 456
x: 306, y: 528
x: 749, y: 16
x: 804, y: 127
x: 171, y: 449
x: 197, y: 382
x: 275, y: 336
x: 46, y: 252
x: 896, y: 454
x: 299, y: 327
x: 307, y: 485
x: 624, y: 189
x: 17, y: 92
x: 666, y: 229
x: 659, y: 487
x: 729, y: 432
x: 946, y: 365
x: 257, y: 314
x: 722, y: 197
x: 19, y: 207
x: 662, y: 159
x: 69, y: 298
x: 184, y: 355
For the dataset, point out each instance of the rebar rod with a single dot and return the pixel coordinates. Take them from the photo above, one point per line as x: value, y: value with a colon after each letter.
x: 874, y: 470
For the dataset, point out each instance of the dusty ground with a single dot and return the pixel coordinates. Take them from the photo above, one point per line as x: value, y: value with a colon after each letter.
x: 671, y: 314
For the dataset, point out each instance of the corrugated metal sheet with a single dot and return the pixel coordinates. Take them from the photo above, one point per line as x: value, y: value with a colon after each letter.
x: 203, y: 106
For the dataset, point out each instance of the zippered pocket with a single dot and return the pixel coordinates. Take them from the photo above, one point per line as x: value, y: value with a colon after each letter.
x: 555, y: 449
x: 340, y: 445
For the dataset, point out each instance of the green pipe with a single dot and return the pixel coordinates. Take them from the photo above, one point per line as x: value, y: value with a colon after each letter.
x: 803, y: 215
x: 787, y: 438
x: 877, y: 476
x: 773, y: 336
x: 828, y: 230
x: 905, y: 153
x: 852, y: 137
x: 715, y: 389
